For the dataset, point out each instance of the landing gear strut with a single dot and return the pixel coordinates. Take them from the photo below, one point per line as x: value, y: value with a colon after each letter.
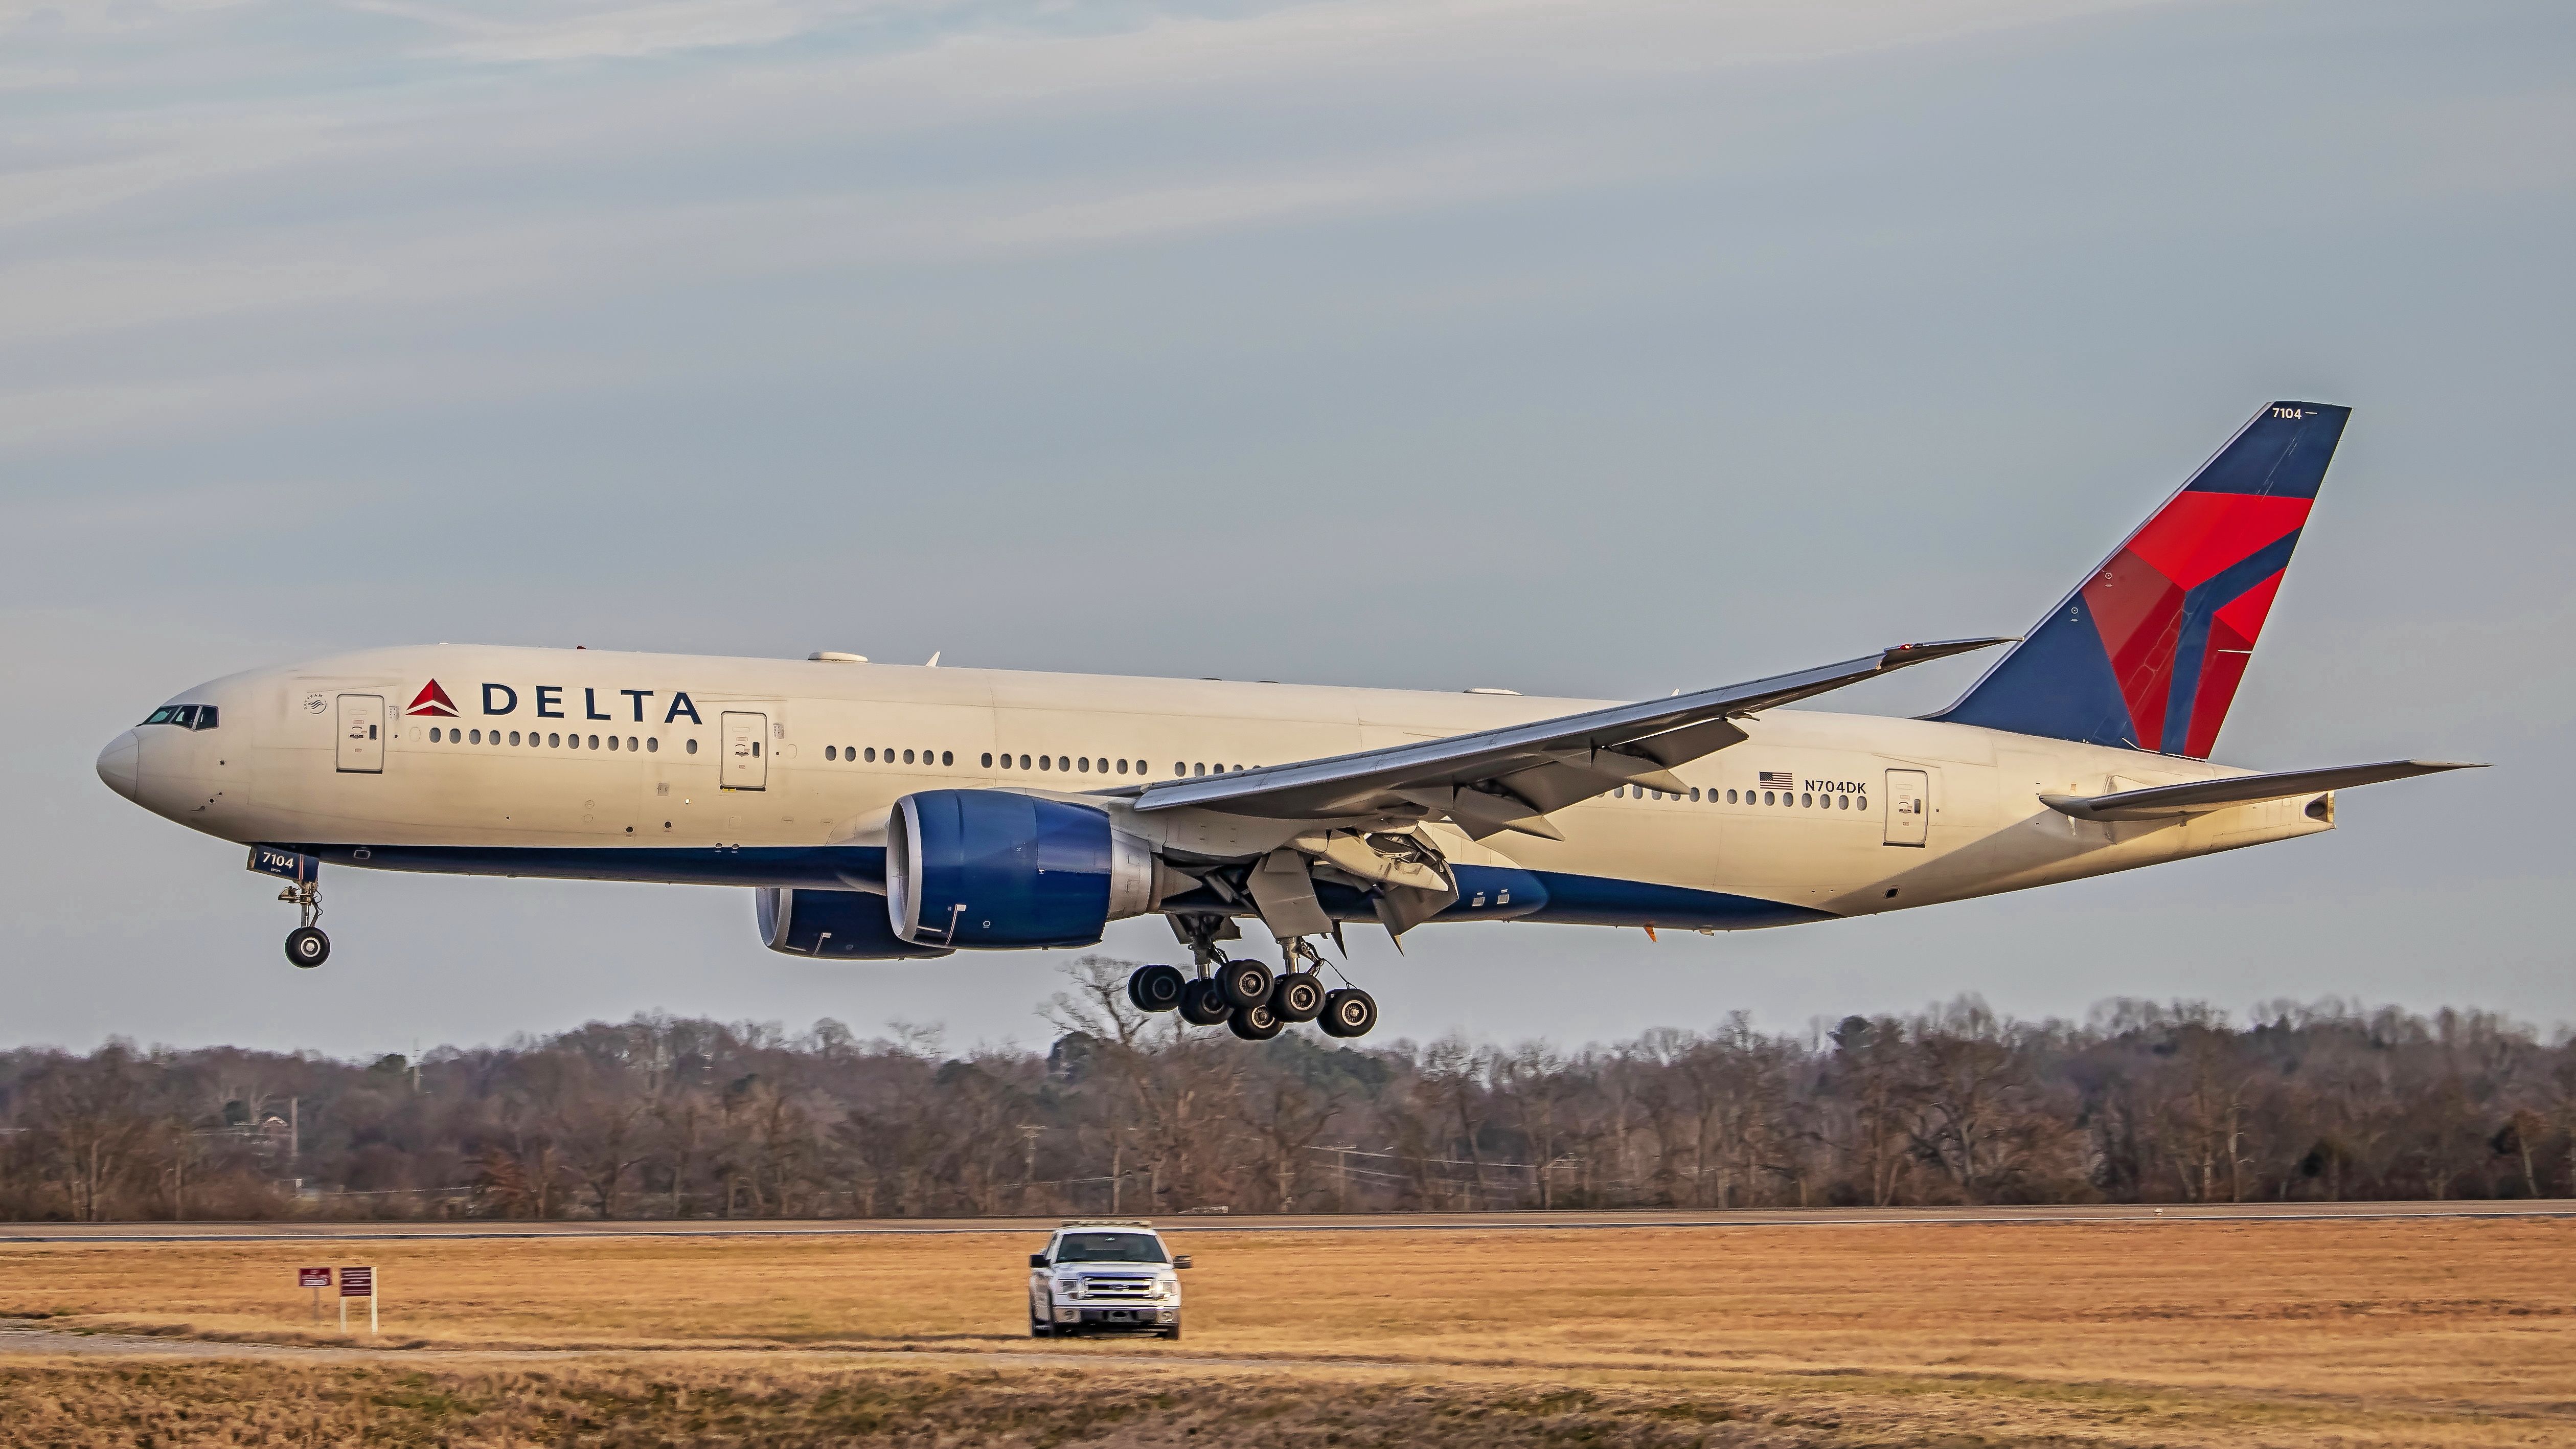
x: 1299, y: 994
x: 306, y: 946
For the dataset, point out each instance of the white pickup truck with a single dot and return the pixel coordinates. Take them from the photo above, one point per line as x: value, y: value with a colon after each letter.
x: 1105, y: 1277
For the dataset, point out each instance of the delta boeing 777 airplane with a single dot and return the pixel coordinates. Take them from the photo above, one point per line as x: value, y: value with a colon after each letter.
x: 881, y: 812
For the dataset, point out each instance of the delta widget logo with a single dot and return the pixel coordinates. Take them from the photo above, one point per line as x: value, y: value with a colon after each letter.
x: 431, y: 701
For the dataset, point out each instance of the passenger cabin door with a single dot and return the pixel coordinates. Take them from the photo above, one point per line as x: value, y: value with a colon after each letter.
x: 746, y: 751
x: 1909, y: 807
x: 362, y: 734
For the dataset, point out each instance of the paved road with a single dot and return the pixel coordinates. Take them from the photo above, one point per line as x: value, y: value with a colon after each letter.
x: 1376, y: 1223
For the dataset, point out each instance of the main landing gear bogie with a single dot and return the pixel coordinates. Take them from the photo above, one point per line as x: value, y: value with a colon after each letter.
x: 1275, y: 1002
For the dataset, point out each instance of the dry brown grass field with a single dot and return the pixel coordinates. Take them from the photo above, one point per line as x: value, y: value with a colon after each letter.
x: 2321, y: 1332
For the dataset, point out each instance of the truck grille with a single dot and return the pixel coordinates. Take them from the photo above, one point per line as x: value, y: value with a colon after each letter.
x: 1122, y: 1286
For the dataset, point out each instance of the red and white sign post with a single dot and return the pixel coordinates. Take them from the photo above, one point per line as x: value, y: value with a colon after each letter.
x: 316, y: 1279
x: 358, y: 1283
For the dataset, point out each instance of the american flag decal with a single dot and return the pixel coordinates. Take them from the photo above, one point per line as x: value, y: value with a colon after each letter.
x: 1778, y: 780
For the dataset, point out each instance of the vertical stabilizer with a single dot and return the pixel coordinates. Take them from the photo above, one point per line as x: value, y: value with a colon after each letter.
x: 2147, y: 652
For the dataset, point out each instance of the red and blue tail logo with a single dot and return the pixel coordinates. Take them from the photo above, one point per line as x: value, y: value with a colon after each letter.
x: 2148, y: 651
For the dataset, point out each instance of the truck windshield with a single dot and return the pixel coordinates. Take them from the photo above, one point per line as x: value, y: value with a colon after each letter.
x: 1109, y: 1248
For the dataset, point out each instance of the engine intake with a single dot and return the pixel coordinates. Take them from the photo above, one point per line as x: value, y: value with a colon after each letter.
x: 994, y: 869
x: 848, y: 924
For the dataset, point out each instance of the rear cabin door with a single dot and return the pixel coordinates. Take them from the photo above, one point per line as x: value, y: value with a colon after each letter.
x: 362, y: 734
x: 1909, y: 807
x: 746, y: 751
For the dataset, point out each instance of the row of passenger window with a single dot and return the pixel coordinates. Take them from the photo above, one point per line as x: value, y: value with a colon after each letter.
x: 1079, y: 764
x: 648, y: 745
x: 1063, y: 764
x: 1796, y: 799
x: 1069, y: 764
x: 927, y: 757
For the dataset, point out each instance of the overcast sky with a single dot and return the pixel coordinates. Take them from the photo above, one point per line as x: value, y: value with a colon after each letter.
x: 1592, y: 348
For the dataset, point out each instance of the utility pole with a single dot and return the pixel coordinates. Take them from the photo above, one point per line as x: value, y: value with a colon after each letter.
x: 1029, y: 1166
x: 1342, y: 1174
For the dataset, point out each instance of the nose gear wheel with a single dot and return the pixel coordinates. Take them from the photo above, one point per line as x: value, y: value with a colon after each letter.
x: 306, y: 946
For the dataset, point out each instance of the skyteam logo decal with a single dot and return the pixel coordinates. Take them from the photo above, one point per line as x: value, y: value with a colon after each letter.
x: 431, y: 701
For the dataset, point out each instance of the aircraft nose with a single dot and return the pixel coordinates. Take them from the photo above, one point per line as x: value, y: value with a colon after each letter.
x: 116, y: 763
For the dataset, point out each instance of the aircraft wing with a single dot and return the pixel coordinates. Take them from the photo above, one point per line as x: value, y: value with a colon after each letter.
x: 2165, y: 801
x: 1510, y: 778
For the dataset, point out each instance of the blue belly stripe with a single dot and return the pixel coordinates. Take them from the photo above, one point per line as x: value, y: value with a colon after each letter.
x: 1536, y: 895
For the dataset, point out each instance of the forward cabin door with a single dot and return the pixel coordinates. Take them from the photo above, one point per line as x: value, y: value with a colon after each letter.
x: 746, y: 751
x: 1909, y: 807
x: 362, y: 734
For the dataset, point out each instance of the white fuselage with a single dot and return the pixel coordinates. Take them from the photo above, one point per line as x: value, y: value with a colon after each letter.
x: 642, y: 767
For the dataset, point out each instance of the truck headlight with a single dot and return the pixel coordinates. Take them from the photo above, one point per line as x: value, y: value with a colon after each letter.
x: 1069, y: 1287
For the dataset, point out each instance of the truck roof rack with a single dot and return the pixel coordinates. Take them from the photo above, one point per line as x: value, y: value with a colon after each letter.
x: 1106, y: 1223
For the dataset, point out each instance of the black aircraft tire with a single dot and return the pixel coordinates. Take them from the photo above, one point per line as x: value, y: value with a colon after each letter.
x: 1156, y: 988
x: 307, y: 947
x: 1245, y: 983
x: 1256, y: 1022
x: 1348, y: 1013
x: 1299, y: 996
x: 1202, y: 1004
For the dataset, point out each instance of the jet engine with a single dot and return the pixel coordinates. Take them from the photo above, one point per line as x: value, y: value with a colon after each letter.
x: 848, y: 924
x: 994, y: 869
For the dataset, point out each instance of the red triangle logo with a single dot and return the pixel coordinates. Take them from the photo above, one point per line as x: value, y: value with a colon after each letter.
x: 432, y: 700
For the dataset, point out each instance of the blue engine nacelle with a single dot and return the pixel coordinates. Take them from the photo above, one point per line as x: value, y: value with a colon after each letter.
x: 992, y: 869
x: 848, y: 924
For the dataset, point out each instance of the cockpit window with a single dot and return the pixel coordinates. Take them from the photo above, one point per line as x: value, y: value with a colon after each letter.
x: 185, y: 716
x: 1109, y: 1248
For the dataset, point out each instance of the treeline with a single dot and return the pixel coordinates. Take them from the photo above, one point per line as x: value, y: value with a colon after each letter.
x: 665, y: 1118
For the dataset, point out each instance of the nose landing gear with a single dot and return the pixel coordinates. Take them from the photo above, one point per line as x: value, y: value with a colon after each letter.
x: 306, y: 946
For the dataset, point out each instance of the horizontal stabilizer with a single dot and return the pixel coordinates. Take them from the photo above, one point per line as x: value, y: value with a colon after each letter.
x: 2165, y: 801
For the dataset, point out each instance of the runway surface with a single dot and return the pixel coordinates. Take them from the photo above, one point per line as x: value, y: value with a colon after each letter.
x: 1258, y: 1223
x: 17, y: 1339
